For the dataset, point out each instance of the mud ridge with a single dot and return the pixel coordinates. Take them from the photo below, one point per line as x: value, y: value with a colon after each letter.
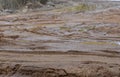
x: 18, y: 70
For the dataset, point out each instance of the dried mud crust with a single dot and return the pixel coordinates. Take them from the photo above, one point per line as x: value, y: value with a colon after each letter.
x: 85, y: 69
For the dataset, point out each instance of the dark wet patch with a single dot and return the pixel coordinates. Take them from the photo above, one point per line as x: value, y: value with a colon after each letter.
x: 110, y: 51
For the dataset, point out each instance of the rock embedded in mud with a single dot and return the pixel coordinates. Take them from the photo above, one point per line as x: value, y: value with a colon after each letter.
x: 61, y: 72
x: 9, y: 70
x: 50, y: 72
x: 38, y: 72
x: 29, y: 70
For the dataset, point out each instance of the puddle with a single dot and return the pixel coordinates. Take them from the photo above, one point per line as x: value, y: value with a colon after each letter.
x: 118, y: 42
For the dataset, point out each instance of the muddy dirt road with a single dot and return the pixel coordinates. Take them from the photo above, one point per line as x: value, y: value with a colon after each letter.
x: 61, y: 43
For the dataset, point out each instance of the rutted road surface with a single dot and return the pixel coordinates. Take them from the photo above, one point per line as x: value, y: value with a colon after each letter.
x: 60, y: 43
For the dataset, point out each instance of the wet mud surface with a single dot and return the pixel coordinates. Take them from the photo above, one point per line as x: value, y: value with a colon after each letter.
x: 47, y: 65
x: 85, y: 69
x: 60, y: 43
x: 49, y: 32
